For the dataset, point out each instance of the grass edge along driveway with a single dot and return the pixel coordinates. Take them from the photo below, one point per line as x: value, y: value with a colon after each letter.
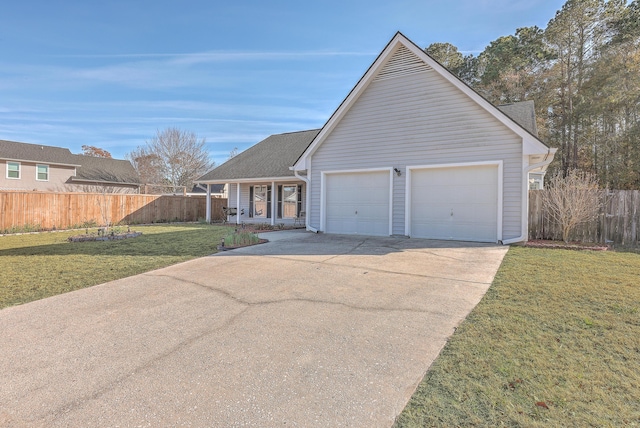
x: 35, y: 266
x: 554, y: 342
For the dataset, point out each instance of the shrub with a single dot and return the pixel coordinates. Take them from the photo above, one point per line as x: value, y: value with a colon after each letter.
x: 572, y: 200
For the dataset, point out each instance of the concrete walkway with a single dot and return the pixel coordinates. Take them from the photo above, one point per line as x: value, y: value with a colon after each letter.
x: 307, y: 330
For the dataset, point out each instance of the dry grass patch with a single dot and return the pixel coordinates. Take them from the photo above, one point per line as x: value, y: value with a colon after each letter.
x: 36, y: 266
x: 555, y: 342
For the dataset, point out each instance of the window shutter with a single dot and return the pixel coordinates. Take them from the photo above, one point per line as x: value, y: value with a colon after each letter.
x: 279, y: 201
x: 250, y: 201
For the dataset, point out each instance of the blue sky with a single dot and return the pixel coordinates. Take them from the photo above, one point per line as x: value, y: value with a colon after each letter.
x: 110, y: 74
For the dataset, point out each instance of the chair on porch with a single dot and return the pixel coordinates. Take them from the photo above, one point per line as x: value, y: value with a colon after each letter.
x: 229, y: 212
x: 299, y: 219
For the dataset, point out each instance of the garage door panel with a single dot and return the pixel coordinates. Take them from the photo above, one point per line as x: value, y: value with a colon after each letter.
x: 457, y: 203
x: 357, y: 203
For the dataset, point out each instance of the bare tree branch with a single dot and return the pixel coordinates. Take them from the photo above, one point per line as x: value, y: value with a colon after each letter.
x: 173, y: 157
x: 572, y: 200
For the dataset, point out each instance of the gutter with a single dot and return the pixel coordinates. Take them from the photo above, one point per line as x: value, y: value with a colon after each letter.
x: 307, y: 201
x: 525, y: 234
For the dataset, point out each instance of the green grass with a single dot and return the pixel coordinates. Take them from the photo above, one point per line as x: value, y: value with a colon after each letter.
x: 36, y: 266
x: 557, y: 327
x: 241, y: 238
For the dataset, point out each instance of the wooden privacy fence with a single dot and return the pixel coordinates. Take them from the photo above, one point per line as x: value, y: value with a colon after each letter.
x: 41, y: 210
x: 618, y: 222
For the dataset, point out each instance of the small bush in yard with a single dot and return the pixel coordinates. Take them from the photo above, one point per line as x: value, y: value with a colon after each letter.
x: 239, y: 239
x: 572, y: 200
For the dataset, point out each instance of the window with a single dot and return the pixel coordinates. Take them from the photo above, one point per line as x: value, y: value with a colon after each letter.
x: 289, y: 201
x: 42, y: 172
x: 13, y: 169
x: 260, y: 201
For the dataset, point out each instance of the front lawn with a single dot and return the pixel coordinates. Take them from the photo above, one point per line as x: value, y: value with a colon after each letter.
x: 554, y: 342
x: 36, y: 266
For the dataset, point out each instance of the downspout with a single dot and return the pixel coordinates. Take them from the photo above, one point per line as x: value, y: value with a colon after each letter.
x: 525, y: 233
x: 307, y: 200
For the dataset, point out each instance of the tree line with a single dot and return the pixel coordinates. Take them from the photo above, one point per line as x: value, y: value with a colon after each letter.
x: 582, y: 72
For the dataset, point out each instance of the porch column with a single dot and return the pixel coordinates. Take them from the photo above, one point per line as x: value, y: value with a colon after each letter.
x: 274, y: 197
x: 208, y: 215
x: 237, y: 203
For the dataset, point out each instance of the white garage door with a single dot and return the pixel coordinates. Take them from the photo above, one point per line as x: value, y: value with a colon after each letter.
x: 357, y: 203
x: 457, y: 203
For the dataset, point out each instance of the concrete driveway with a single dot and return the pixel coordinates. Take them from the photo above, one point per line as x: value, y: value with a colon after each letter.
x: 307, y: 330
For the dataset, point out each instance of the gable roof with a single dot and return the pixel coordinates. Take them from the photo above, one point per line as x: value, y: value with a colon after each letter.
x: 270, y: 158
x: 88, y: 168
x: 420, y: 60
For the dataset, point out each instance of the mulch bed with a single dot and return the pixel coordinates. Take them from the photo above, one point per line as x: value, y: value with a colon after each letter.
x: 540, y: 243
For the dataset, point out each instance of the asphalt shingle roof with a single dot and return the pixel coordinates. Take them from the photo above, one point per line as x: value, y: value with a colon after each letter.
x: 105, y: 169
x: 87, y: 167
x: 523, y: 113
x: 35, y: 153
x: 270, y: 158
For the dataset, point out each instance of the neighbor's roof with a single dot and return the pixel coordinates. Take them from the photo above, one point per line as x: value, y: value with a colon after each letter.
x: 270, y: 158
x: 96, y: 169
x: 88, y: 168
x: 36, y: 153
x: 523, y: 113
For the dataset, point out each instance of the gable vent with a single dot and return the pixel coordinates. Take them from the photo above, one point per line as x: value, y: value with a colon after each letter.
x: 402, y: 63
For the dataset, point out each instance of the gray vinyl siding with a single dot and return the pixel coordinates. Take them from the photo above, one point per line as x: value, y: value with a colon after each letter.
x: 419, y: 119
x: 232, y: 194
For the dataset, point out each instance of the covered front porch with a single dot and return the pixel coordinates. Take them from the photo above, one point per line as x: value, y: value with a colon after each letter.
x: 275, y: 203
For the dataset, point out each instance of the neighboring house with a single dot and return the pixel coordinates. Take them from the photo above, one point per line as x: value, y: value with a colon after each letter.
x: 217, y: 190
x: 411, y: 151
x: 34, y: 167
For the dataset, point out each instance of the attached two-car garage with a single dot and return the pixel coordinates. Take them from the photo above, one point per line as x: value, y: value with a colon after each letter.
x: 458, y: 202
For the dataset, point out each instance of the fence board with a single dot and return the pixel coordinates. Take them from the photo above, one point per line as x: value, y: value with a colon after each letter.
x: 617, y: 222
x: 63, y: 210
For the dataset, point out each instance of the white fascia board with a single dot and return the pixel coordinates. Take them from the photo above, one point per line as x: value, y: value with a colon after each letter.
x: 42, y: 162
x: 533, y: 146
x: 248, y: 180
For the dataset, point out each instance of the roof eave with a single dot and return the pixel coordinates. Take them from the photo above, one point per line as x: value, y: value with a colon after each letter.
x: 247, y: 180
x: 40, y: 162
x: 102, y: 182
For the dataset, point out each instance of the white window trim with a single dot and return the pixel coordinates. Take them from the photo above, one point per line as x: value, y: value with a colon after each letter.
x: 323, y: 192
x: 48, y: 172
x: 282, y: 201
x: 266, y: 198
x: 19, y: 170
x: 407, y: 199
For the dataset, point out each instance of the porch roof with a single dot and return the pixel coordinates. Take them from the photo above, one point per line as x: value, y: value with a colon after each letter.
x: 271, y: 157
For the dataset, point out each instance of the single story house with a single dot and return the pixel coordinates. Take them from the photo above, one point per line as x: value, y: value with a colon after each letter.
x: 411, y: 151
x: 34, y: 167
